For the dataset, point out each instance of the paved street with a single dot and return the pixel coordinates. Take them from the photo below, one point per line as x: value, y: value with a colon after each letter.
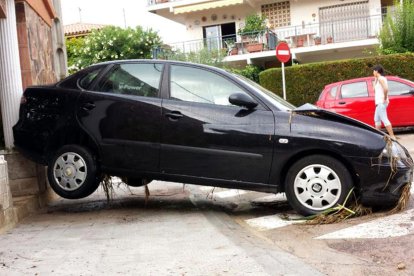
x: 195, y: 230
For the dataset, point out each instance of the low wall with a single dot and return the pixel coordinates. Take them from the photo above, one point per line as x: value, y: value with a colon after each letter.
x: 25, y: 177
x: 7, y: 217
x: 23, y: 188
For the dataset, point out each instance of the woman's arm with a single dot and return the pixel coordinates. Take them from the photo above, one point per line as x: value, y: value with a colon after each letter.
x: 385, y: 88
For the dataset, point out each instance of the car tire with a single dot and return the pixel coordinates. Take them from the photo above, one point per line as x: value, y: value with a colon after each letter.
x: 73, y: 173
x: 316, y: 183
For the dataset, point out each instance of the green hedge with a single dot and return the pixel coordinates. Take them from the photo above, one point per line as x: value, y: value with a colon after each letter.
x: 305, y: 82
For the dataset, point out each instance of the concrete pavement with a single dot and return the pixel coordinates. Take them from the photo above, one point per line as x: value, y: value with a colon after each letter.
x: 191, y: 232
x: 169, y: 236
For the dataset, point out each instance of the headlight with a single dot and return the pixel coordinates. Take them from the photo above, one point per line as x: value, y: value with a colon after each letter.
x: 394, y: 150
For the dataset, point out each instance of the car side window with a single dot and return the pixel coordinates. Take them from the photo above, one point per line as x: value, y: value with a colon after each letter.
x: 333, y: 92
x: 87, y: 75
x: 133, y: 79
x: 398, y: 88
x: 197, y: 85
x: 354, y: 90
x: 89, y: 78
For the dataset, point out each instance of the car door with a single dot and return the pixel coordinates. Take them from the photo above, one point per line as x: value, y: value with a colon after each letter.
x: 401, y: 107
x: 354, y: 100
x: 203, y: 135
x: 122, y: 112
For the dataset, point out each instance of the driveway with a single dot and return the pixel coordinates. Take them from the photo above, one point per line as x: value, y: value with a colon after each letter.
x: 194, y: 230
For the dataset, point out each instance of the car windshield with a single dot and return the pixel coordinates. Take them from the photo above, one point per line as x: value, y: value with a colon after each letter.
x: 270, y: 96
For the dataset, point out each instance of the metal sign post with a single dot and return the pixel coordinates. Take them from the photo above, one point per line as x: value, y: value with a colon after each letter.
x: 283, y: 55
x: 283, y: 80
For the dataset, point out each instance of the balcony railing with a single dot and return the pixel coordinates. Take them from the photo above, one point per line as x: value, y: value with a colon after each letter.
x: 233, y: 44
x: 306, y: 35
x: 356, y: 28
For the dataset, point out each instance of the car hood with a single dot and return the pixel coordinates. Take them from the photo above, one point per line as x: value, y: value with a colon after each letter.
x: 311, y: 110
x: 310, y: 126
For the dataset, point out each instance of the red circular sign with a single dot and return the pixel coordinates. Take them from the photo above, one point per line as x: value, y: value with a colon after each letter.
x: 283, y: 52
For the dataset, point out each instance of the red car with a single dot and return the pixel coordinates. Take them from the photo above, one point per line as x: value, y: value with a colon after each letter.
x: 355, y: 98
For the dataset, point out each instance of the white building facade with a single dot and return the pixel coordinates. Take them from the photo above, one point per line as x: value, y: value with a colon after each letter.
x: 316, y: 30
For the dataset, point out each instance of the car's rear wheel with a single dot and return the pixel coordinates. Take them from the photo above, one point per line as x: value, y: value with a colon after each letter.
x: 73, y: 172
x: 316, y: 183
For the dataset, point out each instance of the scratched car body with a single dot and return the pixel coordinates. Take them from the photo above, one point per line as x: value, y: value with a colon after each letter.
x: 164, y: 120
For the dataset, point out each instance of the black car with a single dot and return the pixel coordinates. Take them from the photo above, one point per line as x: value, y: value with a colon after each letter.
x: 166, y: 120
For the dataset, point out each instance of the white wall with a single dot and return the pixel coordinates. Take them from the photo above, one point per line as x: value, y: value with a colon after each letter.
x: 224, y: 15
x: 301, y: 11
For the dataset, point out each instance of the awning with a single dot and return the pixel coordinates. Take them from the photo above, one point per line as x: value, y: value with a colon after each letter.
x: 207, y: 6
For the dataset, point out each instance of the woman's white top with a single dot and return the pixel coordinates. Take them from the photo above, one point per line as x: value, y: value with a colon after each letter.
x: 379, y: 90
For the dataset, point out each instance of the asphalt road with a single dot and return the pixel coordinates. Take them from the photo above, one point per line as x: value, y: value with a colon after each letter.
x: 195, y: 230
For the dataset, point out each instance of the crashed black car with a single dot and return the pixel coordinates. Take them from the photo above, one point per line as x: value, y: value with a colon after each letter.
x: 146, y: 119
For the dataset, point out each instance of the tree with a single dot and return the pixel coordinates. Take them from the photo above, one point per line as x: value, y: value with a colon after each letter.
x: 254, y: 24
x: 397, y: 33
x: 212, y: 57
x: 111, y: 43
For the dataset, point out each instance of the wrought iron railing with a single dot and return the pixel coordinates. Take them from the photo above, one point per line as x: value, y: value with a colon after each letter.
x: 234, y: 44
x: 356, y: 28
x: 306, y: 35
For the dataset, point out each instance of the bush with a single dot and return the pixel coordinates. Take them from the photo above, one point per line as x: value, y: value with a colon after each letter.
x: 250, y: 71
x: 304, y: 83
x: 203, y: 56
x: 397, y: 34
x: 111, y: 43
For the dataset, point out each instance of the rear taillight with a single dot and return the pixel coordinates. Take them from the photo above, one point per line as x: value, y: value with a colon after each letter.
x: 23, y: 100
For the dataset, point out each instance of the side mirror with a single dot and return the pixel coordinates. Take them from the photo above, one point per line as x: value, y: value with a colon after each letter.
x: 411, y: 92
x: 243, y: 100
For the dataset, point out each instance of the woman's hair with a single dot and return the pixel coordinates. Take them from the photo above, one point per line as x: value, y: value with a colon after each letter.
x: 379, y: 69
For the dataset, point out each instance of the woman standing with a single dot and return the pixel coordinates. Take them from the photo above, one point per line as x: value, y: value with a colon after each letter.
x: 381, y: 100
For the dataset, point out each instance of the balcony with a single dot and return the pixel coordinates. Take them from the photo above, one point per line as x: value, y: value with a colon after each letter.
x: 302, y: 39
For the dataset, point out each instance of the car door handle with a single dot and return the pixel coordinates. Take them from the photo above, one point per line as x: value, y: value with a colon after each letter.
x: 342, y: 103
x: 88, y: 106
x: 174, y: 115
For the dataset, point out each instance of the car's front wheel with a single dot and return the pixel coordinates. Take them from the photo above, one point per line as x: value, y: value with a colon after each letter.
x: 316, y: 183
x: 72, y: 172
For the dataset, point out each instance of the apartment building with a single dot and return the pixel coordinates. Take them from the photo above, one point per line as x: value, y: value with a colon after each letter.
x: 316, y: 30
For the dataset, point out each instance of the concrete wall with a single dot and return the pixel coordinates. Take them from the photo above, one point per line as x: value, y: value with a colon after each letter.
x: 6, y: 204
x: 25, y: 177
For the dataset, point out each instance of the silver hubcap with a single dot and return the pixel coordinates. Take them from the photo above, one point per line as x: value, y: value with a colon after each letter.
x: 70, y: 171
x: 317, y: 187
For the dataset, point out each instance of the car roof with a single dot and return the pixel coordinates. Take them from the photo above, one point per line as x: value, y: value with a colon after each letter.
x: 360, y: 79
x: 163, y: 61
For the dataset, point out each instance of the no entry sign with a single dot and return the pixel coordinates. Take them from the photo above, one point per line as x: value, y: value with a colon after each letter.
x: 283, y: 52
x: 283, y: 55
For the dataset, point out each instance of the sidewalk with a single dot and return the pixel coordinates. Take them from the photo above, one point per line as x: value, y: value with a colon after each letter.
x: 407, y: 140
